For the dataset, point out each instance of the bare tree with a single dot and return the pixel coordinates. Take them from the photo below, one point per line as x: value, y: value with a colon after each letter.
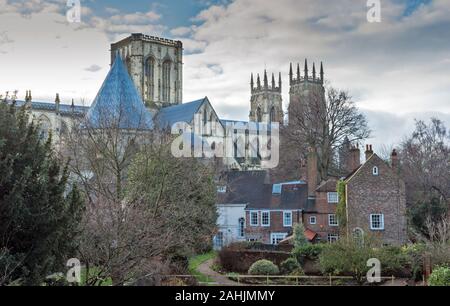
x: 323, y: 120
x: 143, y: 205
x: 426, y: 160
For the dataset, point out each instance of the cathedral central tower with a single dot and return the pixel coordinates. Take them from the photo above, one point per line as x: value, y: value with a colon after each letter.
x: 156, y: 67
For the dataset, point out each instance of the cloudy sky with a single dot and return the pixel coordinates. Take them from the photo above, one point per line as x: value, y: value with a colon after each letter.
x: 396, y: 70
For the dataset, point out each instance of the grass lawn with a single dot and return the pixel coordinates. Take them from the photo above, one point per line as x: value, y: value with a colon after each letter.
x: 196, y: 261
x: 92, y: 273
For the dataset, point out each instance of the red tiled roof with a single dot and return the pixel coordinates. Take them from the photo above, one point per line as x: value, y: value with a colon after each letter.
x: 310, y: 235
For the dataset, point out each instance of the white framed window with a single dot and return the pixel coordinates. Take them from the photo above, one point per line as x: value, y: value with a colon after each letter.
x: 313, y: 220
x: 375, y: 171
x: 265, y: 218
x: 332, y: 220
x: 253, y: 218
x: 241, y: 228
x: 287, y: 218
x: 218, y: 240
x: 221, y: 189
x: 276, y: 238
x: 333, y: 197
x: 332, y: 238
x: 377, y: 222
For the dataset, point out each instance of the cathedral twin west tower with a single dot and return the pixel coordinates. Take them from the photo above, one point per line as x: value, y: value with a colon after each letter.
x: 156, y: 67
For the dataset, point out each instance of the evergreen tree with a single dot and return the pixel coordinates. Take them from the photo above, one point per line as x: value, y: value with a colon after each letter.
x: 299, y: 236
x: 39, y: 213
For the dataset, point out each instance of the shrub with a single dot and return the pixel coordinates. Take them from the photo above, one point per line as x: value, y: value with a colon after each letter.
x: 299, y: 235
x: 440, y: 276
x: 415, y: 253
x: 308, y: 251
x: 393, y: 259
x: 346, y: 257
x: 289, y: 265
x: 263, y: 267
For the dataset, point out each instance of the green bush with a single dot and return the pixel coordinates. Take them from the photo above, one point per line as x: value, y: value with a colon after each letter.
x: 288, y: 266
x: 308, y: 251
x: 440, y: 276
x: 350, y: 258
x: 392, y: 259
x: 263, y: 267
x: 346, y: 257
x: 414, y: 253
x: 299, y: 235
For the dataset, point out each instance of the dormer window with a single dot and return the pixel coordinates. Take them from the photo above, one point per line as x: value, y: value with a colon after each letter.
x: 276, y: 189
x: 221, y: 189
x: 375, y: 171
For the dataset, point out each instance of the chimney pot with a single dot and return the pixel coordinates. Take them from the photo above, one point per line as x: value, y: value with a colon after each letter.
x: 368, y: 152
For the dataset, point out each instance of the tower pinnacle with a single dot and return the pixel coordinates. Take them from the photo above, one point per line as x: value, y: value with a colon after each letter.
x: 266, y: 82
x: 306, y: 69
x: 290, y: 74
x: 321, y: 71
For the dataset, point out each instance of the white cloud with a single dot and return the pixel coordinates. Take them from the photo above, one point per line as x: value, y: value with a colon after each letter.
x: 181, y: 31
x: 397, y: 66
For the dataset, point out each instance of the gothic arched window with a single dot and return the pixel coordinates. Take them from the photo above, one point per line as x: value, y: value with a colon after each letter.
x: 358, y: 235
x: 44, y: 127
x: 272, y: 114
x: 150, y: 75
x: 258, y: 115
x: 166, y: 81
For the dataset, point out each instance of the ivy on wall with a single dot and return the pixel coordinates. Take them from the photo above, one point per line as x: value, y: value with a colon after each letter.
x: 341, y: 209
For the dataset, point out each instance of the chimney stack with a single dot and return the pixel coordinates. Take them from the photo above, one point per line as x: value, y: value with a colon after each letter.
x: 303, y: 173
x: 394, y: 160
x: 354, y: 158
x: 312, y: 172
x: 369, y: 152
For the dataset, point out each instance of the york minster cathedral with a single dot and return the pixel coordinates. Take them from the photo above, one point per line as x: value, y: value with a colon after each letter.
x: 152, y: 81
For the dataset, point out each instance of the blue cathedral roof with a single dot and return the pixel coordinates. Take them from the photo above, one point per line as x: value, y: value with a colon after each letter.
x: 185, y: 112
x: 118, y: 103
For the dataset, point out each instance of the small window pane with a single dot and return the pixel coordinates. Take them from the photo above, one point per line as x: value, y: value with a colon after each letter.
x: 253, y: 218
x: 333, y: 197
x: 332, y: 220
x: 265, y: 218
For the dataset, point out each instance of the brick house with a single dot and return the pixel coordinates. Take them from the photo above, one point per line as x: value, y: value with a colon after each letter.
x: 376, y: 200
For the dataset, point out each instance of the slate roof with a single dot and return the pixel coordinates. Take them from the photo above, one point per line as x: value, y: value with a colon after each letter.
x: 185, y: 112
x: 64, y: 109
x: 118, y: 103
x: 254, y: 189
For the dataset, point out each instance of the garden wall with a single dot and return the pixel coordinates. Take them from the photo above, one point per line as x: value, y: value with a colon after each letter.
x: 239, y: 261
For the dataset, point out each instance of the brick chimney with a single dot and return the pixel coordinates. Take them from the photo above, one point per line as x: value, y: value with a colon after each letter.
x: 394, y: 159
x: 303, y: 170
x: 369, y: 152
x: 354, y: 158
x: 312, y: 172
